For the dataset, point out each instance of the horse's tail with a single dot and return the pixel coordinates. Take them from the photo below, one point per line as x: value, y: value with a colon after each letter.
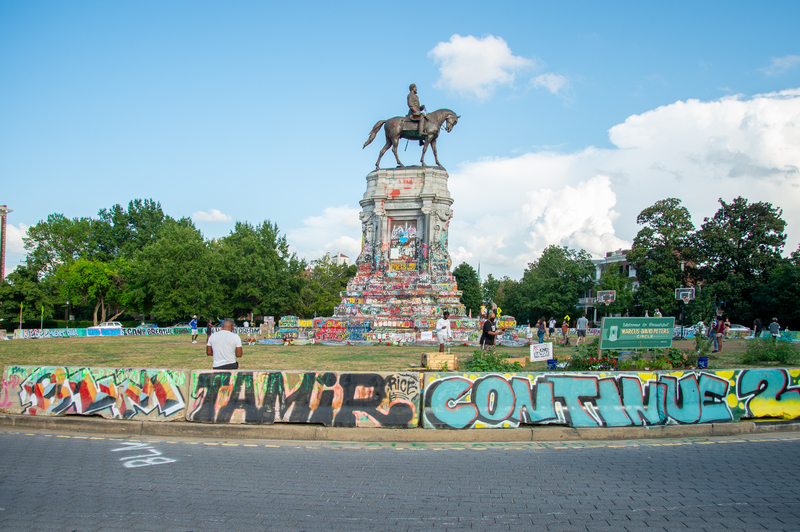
x: 373, y: 133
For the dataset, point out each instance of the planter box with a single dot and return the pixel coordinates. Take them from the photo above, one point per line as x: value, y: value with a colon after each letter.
x: 438, y: 360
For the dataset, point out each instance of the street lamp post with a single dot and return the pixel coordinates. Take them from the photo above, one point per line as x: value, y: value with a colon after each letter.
x: 683, y: 303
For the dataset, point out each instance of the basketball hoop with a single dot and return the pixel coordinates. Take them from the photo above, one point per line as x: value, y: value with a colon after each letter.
x: 684, y: 294
x: 606, y: 296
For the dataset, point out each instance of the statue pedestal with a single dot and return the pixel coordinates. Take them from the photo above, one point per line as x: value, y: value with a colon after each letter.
x: 404, y: 282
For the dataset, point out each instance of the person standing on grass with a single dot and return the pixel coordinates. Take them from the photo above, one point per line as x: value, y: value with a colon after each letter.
x: 490, y: 331
x: 225, y: 347
x: 757, y: 328
x: 565, y: 331
x: 541, y: 327
x: 775, y: 329
x: 720, y: 333
x: 552, y: 328
x: 193, y: 325
x: 443, y: 330
x: 583, y: 324
x: 209, y: 329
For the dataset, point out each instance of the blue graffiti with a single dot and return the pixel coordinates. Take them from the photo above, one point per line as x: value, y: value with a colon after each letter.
x: 583, y: 400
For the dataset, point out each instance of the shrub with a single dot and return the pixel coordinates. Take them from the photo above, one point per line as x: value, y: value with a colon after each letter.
x: 770, y: 352
x: 489, y: 361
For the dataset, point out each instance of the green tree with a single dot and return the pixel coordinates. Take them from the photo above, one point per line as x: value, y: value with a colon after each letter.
x: 24, y: 287
x: 489, y: 290
x: 177, y: 275
x: 663, y: 254
x: 552, y: 285
x: 739, y: 247
x: 470, y: 286
x: 58, y: 241
x: 90, y: 281
x: 780, y: 297
x: 323, y: 286
x: 122, y: 232
x: 260, y: 274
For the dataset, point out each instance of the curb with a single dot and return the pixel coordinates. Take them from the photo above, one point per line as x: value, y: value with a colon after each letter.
x: 292, y: 432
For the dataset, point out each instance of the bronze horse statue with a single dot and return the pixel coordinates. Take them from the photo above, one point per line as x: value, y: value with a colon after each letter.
x: 402, y: 127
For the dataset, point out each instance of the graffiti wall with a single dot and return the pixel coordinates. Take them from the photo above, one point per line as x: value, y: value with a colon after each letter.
x: 151, y: 394
x: 458, y: 401
x: 115, y: 331
x: 329, y: 398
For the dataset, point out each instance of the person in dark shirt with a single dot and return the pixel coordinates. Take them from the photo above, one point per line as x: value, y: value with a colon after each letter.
x: 757, y: 328
x: 490, y: 330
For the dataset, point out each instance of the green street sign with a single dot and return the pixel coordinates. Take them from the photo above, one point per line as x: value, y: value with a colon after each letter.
x: 636, y: 333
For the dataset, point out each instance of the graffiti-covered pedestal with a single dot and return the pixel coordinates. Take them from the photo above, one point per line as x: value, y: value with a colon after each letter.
x: 404, y: 282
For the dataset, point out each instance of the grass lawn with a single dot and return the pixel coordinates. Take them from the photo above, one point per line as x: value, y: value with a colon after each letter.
x: 178, y: 352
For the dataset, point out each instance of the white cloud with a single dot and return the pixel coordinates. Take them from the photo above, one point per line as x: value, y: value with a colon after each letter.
x: 14, y: 235
x: 211, y: 216
x: 337, y: 230
x: 782, y: 64
x: 476, y: 66
x: 694, y: 150
x: 555, y: 83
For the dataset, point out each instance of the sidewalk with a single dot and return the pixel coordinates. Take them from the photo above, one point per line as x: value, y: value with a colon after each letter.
x: 304, y: 432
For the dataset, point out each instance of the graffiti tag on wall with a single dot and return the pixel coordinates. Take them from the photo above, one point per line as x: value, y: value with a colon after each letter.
x: 153, y: 394
x: 455, y: 401
x: 329, y: 398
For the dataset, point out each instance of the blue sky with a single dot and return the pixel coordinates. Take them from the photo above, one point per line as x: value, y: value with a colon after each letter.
x: 575, y: 116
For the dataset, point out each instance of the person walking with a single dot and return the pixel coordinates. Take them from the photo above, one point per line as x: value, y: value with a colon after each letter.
x: 583, y: 325
x: 565, y: 331
x: 541, y: 327
x: 552, y: 328
x: 757, y: 328
x: 225, y: 347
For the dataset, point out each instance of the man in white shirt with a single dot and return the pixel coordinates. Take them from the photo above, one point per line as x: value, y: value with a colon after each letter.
x: 225, y: 347
x: 443, y: 330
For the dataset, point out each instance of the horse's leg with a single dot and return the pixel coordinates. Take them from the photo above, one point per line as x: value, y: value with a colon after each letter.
x: 395, y: 142
x: 435, y: 155
x: 383, y: 150
x: 424, y: 149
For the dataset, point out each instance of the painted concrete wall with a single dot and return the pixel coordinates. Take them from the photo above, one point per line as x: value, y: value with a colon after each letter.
x: 140, y: 394
x: 331, y: 398
x: 124, y: 331
x: 485, y: 400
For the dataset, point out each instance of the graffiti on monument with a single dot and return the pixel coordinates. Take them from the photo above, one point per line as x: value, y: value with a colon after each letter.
x: 456, y: 401
x: 328, y: 398
x: 154, y: 394
x: 403, y: 240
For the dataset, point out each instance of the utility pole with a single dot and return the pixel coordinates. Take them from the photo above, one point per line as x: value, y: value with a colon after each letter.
x: 4, y: 210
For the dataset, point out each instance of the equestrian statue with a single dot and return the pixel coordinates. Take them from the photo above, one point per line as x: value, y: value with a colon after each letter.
x: 416, y: 125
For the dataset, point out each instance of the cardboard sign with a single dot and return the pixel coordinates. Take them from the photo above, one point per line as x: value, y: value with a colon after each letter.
x: 541, y: 352
x: 426, y: 335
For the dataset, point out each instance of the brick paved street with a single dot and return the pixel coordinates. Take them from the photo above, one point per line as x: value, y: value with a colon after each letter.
x: 66, y: 482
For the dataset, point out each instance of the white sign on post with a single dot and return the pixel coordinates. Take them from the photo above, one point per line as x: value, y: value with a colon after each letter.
x: 541, y: 351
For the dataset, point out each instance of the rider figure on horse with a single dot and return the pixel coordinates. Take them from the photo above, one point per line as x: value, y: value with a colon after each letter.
x: 415, y: 109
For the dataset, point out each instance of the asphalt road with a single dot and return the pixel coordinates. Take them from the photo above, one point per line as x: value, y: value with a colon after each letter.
x: 67, y: 482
